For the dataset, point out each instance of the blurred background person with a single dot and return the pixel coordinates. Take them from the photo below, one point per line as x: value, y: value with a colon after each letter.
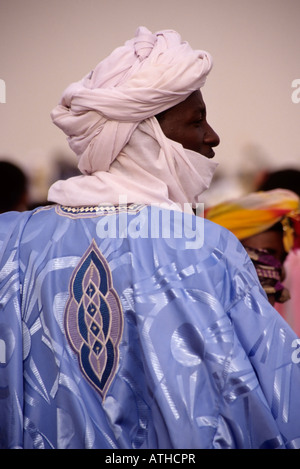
x: 288, y: 178
x: 285, y: 178
x: 264, y: 223
x: 14, y: 194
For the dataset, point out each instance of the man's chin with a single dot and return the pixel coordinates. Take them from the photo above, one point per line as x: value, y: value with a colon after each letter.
x: 210, y: 154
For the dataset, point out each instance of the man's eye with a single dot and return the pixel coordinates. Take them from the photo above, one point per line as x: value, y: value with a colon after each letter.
x: 200, y: 118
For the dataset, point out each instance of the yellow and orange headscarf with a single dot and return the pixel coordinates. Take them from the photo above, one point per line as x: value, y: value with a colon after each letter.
x: 257, y: 212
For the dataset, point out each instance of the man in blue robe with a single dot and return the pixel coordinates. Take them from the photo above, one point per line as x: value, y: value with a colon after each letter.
x: 126, y: 321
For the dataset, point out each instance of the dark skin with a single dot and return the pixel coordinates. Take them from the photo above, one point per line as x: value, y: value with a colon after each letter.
x: 186, y: 123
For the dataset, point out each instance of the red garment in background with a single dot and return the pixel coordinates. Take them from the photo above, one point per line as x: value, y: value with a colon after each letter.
x: 290, y: 310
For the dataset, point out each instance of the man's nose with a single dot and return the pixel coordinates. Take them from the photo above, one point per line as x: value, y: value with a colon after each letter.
x: 211, y: 138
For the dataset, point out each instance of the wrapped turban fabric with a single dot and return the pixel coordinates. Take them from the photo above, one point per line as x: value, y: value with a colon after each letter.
x: 108, y: 117
x: 256, y: 213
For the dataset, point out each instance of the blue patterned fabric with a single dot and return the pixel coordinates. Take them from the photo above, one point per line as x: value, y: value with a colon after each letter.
x: 116, y: 331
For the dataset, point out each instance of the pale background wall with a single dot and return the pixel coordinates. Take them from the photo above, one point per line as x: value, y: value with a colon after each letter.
x: 45, y: 45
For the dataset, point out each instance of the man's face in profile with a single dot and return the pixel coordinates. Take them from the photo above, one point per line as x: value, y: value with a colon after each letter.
x: 186, y: 123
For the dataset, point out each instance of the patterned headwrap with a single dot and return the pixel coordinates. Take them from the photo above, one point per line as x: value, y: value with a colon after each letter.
x: 256, y: 213
x: 108, y: 117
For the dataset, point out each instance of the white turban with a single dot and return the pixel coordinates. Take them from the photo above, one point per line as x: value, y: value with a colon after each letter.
x: 118, y: 99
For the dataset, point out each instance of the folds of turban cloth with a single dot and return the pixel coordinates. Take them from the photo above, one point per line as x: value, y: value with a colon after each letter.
x: 108, y: 117
x: 256, y: 213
